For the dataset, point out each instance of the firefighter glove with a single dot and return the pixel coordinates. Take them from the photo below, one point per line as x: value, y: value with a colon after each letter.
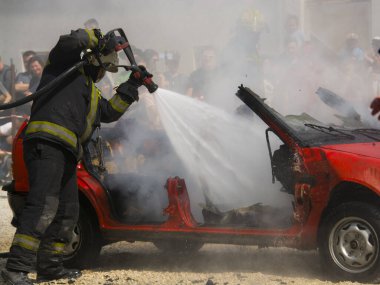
x: 139, y: 76
x: 128, y: 92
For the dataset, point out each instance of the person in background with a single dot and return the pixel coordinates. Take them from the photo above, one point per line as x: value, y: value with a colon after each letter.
x: 23, y: 78
x: 5, y: 90
x: 5, y: 81
x: 176, y: 80
x: 351, y: 48
x: 22, y: 82
x: 293, y: 32
x: 36, y: 67
x: 199, y: 81
x: 151, y: 58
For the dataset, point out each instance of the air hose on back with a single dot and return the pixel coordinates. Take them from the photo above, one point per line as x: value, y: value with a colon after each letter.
x: 47, y: 88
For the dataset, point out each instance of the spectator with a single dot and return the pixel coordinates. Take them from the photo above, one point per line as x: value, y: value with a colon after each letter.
x: 162, y: 82
x: 351, y: 49
x: 22, y: 82
x: 291, y: 55
x: 293, y: 31
x: 176, y: 80
x: 352, y: 84
x: 5, y: 86
x: 240, y: 61
x: 23, y: 78
x: 36, y: 66
x: 200, y: 79
x: 5, y: 79
x: 294, y: 86
x: 151, y: 58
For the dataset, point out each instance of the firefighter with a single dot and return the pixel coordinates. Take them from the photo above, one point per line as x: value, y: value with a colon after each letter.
x: 60, y: 124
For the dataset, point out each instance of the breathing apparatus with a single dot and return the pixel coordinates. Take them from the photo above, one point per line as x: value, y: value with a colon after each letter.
x: 104, y: 56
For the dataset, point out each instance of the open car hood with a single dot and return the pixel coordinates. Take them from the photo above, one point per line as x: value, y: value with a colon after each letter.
x: 304, y: 130
x: 272, y: 118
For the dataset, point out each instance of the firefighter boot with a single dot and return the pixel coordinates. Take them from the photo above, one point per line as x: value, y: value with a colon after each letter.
x: 64, y: 273
x: 15, y: 277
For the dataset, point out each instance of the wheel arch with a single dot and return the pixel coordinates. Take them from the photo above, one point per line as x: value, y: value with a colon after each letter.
x: 348, y: 192
x: 85, y: 202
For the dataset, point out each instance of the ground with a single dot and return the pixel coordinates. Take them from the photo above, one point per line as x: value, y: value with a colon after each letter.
x: 141, y: 263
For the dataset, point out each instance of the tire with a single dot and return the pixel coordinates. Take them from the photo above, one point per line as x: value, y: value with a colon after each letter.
x: 183, y: 246
x: 349, y: 242
x: 84, y: 249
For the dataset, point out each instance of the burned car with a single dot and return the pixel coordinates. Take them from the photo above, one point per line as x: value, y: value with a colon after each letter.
x: 332, y: 174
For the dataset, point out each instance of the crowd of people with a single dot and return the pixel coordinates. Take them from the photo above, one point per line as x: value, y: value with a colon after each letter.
x: 295, y: 74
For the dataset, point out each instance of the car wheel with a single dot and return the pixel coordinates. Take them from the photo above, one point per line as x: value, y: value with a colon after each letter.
x: 184, y: 246
x: 85, y: 245
x: 349, y: 242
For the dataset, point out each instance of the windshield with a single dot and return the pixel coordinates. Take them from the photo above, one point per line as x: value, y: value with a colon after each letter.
x: 311, y: 131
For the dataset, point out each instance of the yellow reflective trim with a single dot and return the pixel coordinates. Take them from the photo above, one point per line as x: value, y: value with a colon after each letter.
x: 91, y: 116
x: 58, y: 247
x: 118, y: 104
x: 26, y: 241
x: 93, y: 40
x: 24, y: 245
x: 56, y: 130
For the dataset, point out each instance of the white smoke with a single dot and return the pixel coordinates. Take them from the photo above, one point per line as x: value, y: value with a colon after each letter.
x: 207, y: 143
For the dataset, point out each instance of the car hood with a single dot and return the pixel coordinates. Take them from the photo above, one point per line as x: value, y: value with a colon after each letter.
x: 306, y: 131
x: 364, y: 149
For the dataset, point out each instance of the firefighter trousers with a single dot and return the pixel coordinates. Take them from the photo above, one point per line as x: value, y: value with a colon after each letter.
x: 51, y: 211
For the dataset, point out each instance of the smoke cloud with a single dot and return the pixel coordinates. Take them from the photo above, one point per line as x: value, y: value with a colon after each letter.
x: 255, y: 44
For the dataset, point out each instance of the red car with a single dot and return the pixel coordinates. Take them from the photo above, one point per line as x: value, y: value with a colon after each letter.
x: 332, y: 173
